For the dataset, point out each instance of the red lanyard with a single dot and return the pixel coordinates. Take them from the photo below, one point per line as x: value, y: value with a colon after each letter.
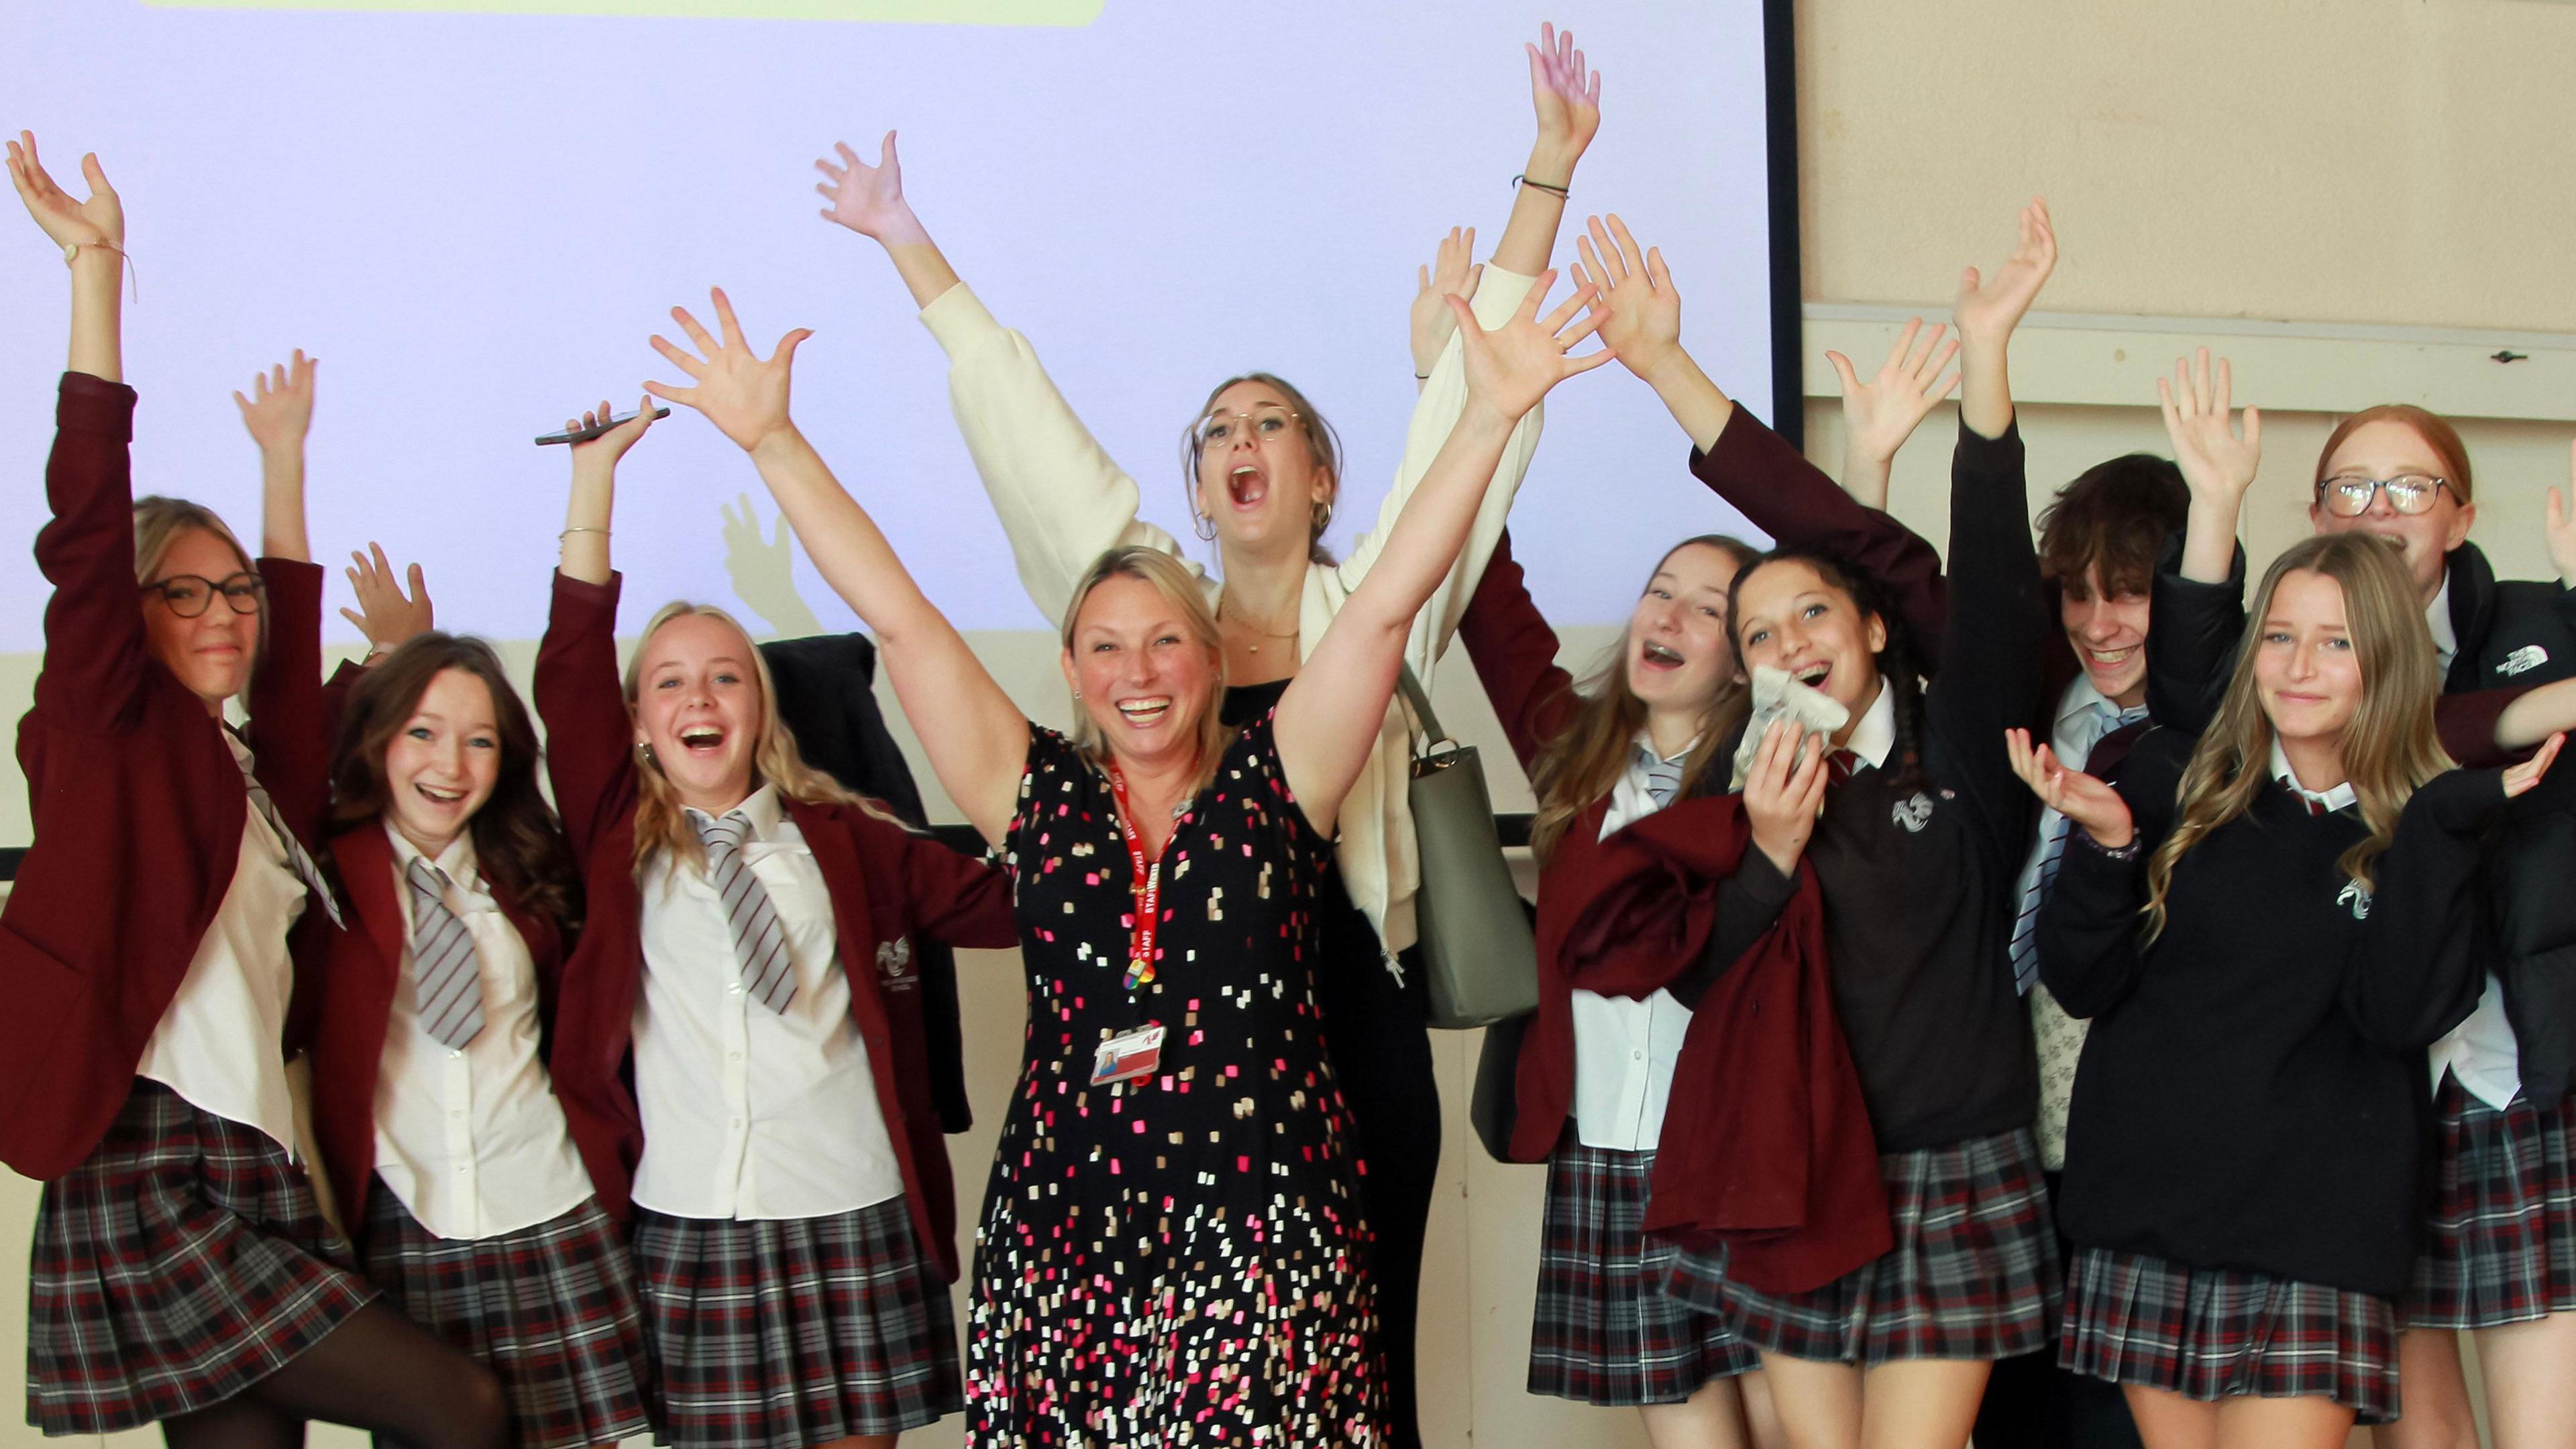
x: 1147, y: 882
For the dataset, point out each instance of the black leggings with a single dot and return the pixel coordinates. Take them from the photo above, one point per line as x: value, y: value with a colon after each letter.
x: 377, y: 1371
x: 1381, y: 1048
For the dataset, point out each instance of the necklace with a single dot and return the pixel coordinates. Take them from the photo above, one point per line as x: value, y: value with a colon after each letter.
x: 1257, y: 631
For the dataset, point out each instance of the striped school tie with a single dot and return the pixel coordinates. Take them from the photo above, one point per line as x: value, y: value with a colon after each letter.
x: 447, y: 975
x: 2052, y: 854
x: 759, y: 941
x: 1663, y: 777
x: 297, y: 858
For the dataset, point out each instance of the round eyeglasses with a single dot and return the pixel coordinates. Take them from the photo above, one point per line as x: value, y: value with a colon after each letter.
x: 2349, y: 495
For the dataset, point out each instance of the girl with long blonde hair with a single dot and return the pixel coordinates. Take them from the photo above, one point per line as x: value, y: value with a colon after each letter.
x: 2268, y: 924
x: 747, y: 963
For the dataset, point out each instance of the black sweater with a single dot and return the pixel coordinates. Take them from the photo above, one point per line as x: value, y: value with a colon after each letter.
x: 2252, y: 1095
x: 1918, y: 921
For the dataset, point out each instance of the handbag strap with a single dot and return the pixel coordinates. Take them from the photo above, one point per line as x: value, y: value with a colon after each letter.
x: 1418, y: 700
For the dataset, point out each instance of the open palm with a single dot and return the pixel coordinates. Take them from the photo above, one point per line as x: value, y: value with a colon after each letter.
x: 1510, y: 368
x: 1566, y: 93
x: 869, y: 199
x: 1634, y: 298
x: 2217, y: 461
x: 741, y: 392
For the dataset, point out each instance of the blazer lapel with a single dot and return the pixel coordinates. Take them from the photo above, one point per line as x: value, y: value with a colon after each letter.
x: 366, y: 860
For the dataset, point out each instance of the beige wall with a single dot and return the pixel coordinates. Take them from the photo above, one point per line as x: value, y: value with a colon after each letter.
x: 2388, y: 161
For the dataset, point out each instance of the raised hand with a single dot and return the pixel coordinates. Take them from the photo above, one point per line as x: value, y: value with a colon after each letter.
x: 1567, y: 96
x: 2217, y: 461
x: 2522, y: 777
x: 384, y: 613
x: 279, y: 407
x: 1450, y: 271
x: 2559, y: 528
x: 1784, y: 791
x: 604, y: 451
x: 2078, y: 796
x: 741, y: 392
x: 1634, y: 299
x: 1880, y: 414
x: 1988, y: 308
x: 869, y: 199
x: 1510, y: 368
x: 97, y: 221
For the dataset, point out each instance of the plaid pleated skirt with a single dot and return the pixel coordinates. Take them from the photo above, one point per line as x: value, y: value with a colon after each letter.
x: 1973, y: 1275
x: 2503, y: 1243
x: 2215, y: 1333
x: 183, y: 1262
x: 1606, y: 1332
x: 790, y: 1332
x: 551, y: 1310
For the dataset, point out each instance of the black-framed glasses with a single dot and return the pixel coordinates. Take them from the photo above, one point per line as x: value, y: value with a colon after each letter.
x: 189, y: 595
x: 2348, y: 495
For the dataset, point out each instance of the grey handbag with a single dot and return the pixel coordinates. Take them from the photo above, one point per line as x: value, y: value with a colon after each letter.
x: 1477, y: 947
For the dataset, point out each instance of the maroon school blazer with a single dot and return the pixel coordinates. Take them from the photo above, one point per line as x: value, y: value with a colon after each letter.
x: 886, y: 884
x: 1767, y: 1149
x: 138, y: 805
x: 351, y: 975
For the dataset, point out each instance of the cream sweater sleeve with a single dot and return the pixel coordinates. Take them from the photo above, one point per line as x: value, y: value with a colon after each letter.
x: 1435, y: 412
x: 1062, y: 499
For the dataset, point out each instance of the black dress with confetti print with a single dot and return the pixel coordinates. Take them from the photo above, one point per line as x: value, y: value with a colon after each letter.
x: 1179, y: 1259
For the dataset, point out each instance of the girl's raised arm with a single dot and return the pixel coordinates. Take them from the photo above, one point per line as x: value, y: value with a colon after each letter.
x: 1328, y: 718
x: 977, y: 739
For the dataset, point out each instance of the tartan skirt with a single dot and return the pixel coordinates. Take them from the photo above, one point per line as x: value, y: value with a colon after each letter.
x: 2214, y: 1333
x: 1605, y: 1331
x: 183, y: 1262
x: 1973, y: 1275
x: 2503, y: 1243
x: 783, y: 1333
x: 550, y: 1310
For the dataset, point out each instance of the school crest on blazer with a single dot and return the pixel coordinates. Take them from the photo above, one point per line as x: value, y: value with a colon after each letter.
x: 894, y: 962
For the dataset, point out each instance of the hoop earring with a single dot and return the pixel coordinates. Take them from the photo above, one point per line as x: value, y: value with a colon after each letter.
x: 1203, y: 526
x: 1322, y: 519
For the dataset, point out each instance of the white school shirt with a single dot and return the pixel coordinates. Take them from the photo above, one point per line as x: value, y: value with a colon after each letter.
x: 1624, y: 1048
x: 751, y: 1113
x: 472, y: 1140
x: 221, y: 1043
x: 2480, y: 1051
x: 2437, y: 617
x: 2341, y: 797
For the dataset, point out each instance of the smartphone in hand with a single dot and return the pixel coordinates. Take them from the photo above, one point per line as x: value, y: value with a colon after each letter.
x: 584, y: 435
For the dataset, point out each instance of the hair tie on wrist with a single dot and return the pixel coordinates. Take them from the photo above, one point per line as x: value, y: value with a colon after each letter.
x: 580, y: 528
x: 133, y: 274
x: 1422, y: 377
x: 1562, y: 194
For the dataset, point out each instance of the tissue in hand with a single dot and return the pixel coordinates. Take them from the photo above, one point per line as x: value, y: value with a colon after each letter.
x: 1778, y: 694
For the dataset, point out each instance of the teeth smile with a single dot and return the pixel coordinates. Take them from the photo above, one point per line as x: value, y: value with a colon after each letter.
x: 1144, y: 711
x: 1660, y: 654
x: 701, y: 737
x: 443, y: 797
x: 1814, y: 673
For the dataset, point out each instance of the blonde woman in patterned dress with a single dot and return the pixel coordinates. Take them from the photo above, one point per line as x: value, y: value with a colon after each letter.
x: 1170, y: 1251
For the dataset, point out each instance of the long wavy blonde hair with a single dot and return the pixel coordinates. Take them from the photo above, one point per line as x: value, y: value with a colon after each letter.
x: 1180, y: 589
x: 660, y: 822
x: 2389, y: 747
